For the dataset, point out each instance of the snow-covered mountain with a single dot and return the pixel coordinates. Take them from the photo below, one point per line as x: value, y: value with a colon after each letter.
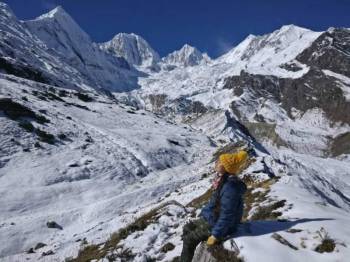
x: 61, y: 33
x: 92, y: 168
x: 132, y: 48
x: 53, y: 49
x: 186, y: 56
x: 263, y: 54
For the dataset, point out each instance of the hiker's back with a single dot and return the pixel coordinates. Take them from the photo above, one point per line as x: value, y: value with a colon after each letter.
x: 225, y: 208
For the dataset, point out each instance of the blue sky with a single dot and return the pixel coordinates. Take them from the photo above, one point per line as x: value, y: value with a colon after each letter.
x: 212, y: 26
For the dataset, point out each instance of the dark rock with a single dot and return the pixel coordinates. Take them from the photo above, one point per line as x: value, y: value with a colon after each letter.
x: 340, y: 144
x: 167, y: 247
x: 23, y: 71
x: 176, y: 143
x: 62, y: 93
x: 15, y: 110
x: 283, y: 241
x: 30, y: 251
x: 62, y: 136
x: 44, y: 136
x: 39, y: 245
x: 331, y: 50
x: 294, y: 230
x: 84, y: 97
x: 26, y: 125
x: 47, y: 253
x: 291, y: 67
x: 77, y: 105
x: 53, y: 224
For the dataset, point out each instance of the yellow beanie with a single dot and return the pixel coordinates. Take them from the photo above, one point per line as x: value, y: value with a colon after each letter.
x: 233, y: 163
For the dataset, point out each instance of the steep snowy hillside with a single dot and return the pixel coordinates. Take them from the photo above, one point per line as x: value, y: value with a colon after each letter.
x: 264, y: 54
x: 186, y: 56
x: 22, y: 54
x: 133, y: 49
x: 80, y: 160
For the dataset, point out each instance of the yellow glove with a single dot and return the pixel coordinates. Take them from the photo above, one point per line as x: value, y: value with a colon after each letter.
x: 211, y: 241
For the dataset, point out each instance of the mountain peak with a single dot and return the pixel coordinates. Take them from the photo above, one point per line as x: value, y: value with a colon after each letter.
x: 50, y: 20
x: 188, y: 47
x: 284, y: 43
x: 6, y: 10
x: 291, y: 29
x: 133, y: 48
x: 186, y: 56
x: 54, y: 13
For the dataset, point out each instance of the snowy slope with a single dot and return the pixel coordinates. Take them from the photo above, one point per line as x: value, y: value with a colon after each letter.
x: 92, y: 173
x: 132, y: 48
x: 309, y: 212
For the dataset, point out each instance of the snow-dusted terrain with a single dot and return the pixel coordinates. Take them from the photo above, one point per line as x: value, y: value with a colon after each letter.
x: 96, y: 135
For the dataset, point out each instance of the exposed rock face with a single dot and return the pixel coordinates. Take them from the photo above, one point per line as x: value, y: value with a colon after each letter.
x: 313, y: 90
x: 265, y: 131
x: 180, y: 106
x: 341, y: 144
x: 331, y: 50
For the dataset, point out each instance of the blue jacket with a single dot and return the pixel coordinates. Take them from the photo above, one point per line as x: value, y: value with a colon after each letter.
x: 230, y: 208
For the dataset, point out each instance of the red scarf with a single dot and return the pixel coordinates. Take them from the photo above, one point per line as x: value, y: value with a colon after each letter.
x: 217, y: 180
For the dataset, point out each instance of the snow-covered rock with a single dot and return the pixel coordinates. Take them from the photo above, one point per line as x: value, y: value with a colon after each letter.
x: 186, y: 56
x: 133, y: 48
x: 263, y: 54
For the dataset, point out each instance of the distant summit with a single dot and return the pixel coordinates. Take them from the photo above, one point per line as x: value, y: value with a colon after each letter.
x: 186, y: 56
x: 132, y: 48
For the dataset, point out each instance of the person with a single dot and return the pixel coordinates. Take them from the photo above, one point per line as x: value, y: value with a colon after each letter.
x: 220, y: 217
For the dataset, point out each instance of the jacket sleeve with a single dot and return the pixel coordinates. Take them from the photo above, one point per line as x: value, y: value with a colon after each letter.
x: 228, y: 207
x: 207, y: 211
